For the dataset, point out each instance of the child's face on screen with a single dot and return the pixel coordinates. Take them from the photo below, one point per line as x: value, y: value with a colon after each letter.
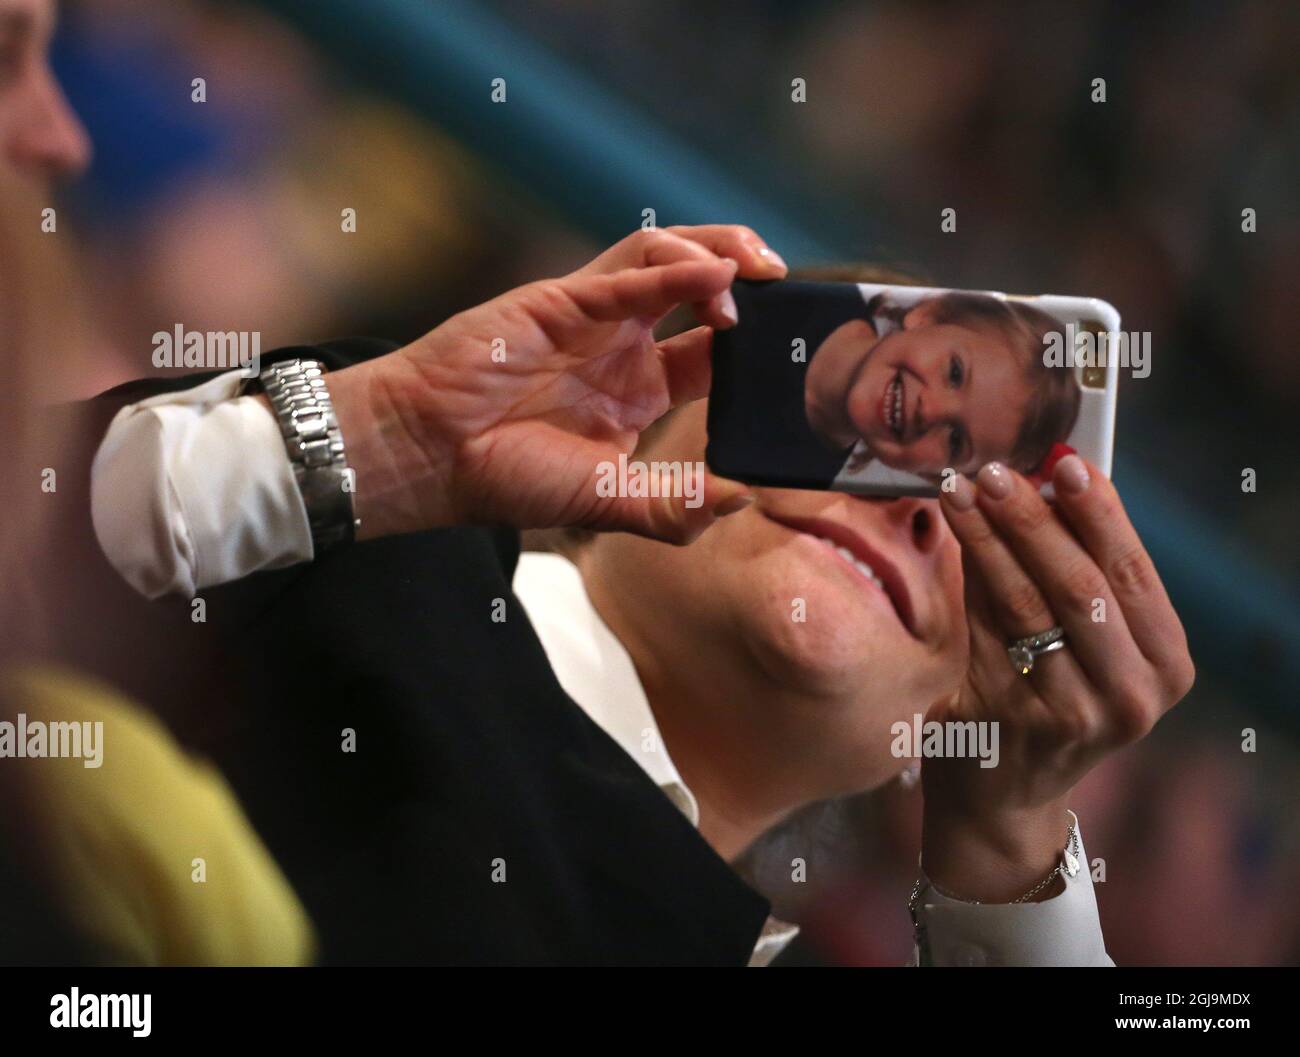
x: 932, y: 396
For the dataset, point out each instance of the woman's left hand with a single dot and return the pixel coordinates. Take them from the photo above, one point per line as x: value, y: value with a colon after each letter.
x: 990, y: 833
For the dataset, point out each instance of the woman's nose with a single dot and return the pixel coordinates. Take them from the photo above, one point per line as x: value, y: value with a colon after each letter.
x: 920, y: 521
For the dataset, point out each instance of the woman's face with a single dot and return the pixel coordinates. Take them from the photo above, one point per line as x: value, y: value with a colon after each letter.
x: 786, y: 585
x: 933, y: 396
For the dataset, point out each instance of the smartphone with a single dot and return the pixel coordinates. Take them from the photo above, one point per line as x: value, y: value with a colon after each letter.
x: 889, y: 390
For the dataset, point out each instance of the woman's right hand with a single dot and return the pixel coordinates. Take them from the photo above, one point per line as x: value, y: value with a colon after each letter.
x: 506, y: 412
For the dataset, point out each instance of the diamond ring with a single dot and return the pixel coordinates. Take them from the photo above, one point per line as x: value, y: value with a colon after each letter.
x: 1023, y: 652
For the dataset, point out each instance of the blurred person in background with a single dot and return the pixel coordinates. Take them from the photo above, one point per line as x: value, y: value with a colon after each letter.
x: 128, y: 852
x: 41, y: 139
x: 244, y: 176
x: 228, y: 213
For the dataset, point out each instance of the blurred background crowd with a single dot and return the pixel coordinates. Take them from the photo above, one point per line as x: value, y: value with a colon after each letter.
x: 225, y: 215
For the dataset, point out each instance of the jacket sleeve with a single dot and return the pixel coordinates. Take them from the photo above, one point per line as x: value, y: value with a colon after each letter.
x: 96, y: 620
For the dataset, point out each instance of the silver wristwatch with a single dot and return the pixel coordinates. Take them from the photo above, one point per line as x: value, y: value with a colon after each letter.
x: 302, y: 405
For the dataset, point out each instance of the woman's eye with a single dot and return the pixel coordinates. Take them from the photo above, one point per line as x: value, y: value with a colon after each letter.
x: 956, y: 372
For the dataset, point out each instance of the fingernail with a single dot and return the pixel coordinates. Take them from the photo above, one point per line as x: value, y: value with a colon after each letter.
x: 773, y: 258
x: 733, y: 504
x: 995, y: 480
x: 1071, y: 475
x: 962, y: 496
x: 727, y: 306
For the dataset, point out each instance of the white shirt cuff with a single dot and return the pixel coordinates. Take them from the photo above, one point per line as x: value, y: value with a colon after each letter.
x: 1063, y: 930
x: 194, y: 488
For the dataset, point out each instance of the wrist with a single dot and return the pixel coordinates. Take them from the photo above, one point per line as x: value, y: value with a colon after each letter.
x: 402, y: 476
x: 994, y: 858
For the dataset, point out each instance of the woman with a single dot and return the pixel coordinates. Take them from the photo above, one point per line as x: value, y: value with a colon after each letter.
x: 770, y: 664
x: 774, y: 655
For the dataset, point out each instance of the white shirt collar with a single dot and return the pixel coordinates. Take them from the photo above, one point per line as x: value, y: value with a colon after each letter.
x: 597, y: 672
x: 883, y: 325
x: 594, y: 669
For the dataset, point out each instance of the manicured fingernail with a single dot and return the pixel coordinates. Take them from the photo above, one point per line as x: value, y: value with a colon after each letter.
x: 1071, y: 475
x: 733, y: 504
x: 772, y: 257
x: 727, y: 306
x: 995, y: 480
x: 962, y: 496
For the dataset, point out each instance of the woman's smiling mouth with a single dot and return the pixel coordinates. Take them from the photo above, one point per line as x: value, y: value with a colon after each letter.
x: 867, y: 562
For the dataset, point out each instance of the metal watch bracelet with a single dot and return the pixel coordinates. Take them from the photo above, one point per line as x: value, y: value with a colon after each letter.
x: 302, y: 405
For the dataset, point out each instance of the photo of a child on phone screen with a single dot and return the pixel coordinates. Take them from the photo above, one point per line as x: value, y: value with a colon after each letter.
x: 954, y: 380
x: 882, y: 389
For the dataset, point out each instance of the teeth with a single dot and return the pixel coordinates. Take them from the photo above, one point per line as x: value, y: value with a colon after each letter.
x: 857, y: 563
